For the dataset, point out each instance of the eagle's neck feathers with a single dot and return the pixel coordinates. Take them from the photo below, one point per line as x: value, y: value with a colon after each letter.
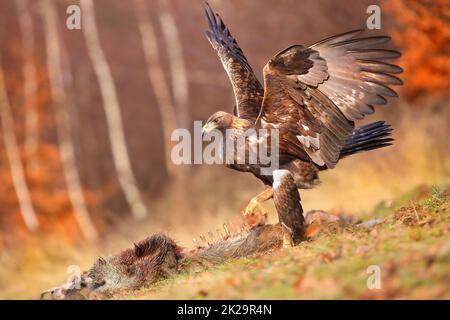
x: 239, y: 124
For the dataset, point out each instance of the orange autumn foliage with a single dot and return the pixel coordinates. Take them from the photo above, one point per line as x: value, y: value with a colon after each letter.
x: 44, y: 178
x: 422, y: 31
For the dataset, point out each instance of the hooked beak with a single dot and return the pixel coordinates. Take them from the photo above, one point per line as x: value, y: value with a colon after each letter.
x: 207, y: 128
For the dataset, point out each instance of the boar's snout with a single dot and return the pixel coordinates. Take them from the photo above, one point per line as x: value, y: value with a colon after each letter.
x: 70, y: 291
x: 60, y: 293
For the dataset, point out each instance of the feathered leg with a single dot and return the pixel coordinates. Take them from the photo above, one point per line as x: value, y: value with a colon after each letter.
x: 287, y: 203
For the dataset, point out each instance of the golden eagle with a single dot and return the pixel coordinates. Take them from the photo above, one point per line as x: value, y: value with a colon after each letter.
x: 312, y: 95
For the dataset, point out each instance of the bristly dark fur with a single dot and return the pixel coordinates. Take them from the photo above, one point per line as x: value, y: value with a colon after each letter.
x: 151, y: 244
x: 125, y: 271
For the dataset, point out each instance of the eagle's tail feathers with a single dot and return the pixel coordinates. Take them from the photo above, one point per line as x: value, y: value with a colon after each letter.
x: 368, y: 137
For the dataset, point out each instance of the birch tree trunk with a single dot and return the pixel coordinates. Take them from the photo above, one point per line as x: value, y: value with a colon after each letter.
x: 157, y: 79
x: 66, y: 148
x: 111, y: 105
x: 13, y: 154
x: 180, y: 85
x: 30, y: 85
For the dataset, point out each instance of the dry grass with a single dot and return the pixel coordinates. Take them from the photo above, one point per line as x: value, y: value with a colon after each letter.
x: 413, y: 259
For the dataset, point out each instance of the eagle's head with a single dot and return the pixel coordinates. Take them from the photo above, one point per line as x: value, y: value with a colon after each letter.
x: 220, y: 120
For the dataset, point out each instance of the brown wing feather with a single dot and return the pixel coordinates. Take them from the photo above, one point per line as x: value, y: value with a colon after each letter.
x: 247, y: 89
x: 314, y: 94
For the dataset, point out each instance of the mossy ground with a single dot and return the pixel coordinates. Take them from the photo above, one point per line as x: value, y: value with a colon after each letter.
x: 411, y: 248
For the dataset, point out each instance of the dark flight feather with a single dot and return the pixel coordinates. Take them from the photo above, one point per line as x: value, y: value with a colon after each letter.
x: 247, y: 89
x: 371, y: 136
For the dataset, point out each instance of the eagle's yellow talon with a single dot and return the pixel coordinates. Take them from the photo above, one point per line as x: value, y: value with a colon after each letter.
x: 255, y: 214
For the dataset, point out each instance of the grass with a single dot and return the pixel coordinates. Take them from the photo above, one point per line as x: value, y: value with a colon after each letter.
x: 411, y: 248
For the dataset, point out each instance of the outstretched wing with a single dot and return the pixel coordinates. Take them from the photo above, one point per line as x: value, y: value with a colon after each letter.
x: 313, y: 95
x: 248, y: 91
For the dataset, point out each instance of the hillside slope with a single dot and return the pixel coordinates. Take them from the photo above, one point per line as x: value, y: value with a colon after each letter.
x: 411, y: 248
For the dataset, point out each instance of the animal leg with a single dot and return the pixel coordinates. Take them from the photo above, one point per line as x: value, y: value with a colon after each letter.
x: 255, y: 214
x: 287, y: 203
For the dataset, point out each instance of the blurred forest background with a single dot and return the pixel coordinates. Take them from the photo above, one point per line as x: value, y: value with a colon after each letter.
x: 86, y: 117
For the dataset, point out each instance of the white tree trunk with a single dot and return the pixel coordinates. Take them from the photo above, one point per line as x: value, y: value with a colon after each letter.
x: 111, y: 105
x: 180, y: 85
x: 13, y: 154
x: 66, y: 148
x: 30, y: 85
x: 157, y: 79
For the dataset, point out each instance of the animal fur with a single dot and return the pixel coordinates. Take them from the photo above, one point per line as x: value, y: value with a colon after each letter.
x: 159, y: 257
